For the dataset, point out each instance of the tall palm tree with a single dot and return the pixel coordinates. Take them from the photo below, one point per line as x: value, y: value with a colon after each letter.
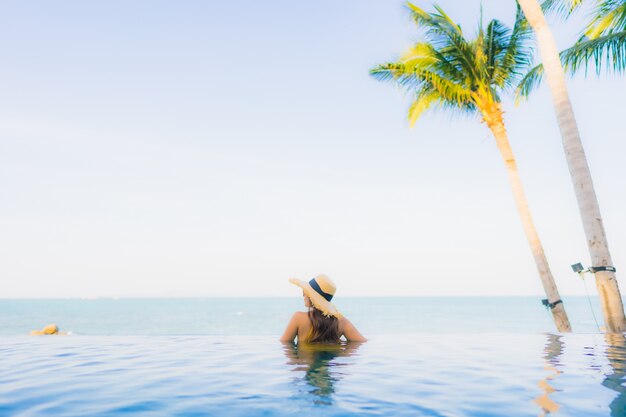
x: 447, y: 71
x: 606, y: 282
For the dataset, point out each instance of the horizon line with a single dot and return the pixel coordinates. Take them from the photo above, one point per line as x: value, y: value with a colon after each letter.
x: 89, y: 298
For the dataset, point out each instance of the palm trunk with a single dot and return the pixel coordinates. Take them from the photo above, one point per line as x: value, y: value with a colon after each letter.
x: 494, y: 119
x: 606, y: 282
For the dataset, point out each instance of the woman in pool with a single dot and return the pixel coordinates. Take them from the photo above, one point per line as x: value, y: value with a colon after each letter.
x: 322, y: 323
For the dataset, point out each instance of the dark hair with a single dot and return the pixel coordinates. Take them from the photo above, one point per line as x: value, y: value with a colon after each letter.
x: 325, y: 328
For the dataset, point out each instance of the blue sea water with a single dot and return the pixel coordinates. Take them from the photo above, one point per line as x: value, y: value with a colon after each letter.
x: 220, y: 357
x: 268, y: 316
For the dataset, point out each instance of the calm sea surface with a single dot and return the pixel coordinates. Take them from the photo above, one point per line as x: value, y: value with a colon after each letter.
x: 220, y: 357
x: 268, y: 316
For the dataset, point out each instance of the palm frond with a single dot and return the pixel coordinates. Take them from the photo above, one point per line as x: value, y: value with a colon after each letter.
x: 443, y: 33
x: 607, y: 50
x: 561, y: 8
x: 449, y: 91
x: 530, y: 81
x: 439, y: 23
x: 421, y: 78
x: 447, y: 64
x: 422, y: 54
x: 449, y: 21
x: 391, y: 71
x: 609, y: 17
x: 497, y: 43
x: 463, y: 55
x: 423, y: 101
x: 481, y: 59
x: 518, y: 56
x: 428, y: 98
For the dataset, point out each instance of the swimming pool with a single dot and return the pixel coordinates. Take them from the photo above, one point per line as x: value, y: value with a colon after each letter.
x: 391, y: 375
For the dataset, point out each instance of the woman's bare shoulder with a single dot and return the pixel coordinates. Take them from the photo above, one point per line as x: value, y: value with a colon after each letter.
x: 301, y: 316
x: 349, y: 331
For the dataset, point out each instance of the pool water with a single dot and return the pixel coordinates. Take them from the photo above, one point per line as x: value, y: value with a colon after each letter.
x: 390, y: 375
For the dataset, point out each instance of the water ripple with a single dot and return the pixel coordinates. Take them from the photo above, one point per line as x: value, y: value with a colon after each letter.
x: 419, y: 375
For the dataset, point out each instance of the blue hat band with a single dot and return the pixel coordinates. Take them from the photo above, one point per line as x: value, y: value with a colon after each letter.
x: 318, y: 290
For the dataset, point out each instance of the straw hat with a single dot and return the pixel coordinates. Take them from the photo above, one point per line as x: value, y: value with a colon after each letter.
x: 320, y: 290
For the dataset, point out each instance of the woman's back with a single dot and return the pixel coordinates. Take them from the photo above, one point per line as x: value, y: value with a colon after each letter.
x: 322, y: 323
x: 301, y: 326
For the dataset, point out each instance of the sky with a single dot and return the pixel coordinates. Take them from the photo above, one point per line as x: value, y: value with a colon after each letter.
x: 204, y: 148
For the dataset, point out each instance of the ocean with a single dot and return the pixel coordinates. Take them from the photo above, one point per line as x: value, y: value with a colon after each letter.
x: 269, y: 316
x: 221, y: 357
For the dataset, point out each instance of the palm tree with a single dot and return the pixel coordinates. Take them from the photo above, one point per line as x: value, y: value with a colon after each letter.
x: 448, y: 71
x: 606, y: 282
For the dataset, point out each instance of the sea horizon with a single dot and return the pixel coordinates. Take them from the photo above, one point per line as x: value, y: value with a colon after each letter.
x: 115, y: 297
x: 250, y: 316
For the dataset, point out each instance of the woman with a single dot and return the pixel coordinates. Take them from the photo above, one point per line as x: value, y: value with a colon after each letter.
x: 322, y: 323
